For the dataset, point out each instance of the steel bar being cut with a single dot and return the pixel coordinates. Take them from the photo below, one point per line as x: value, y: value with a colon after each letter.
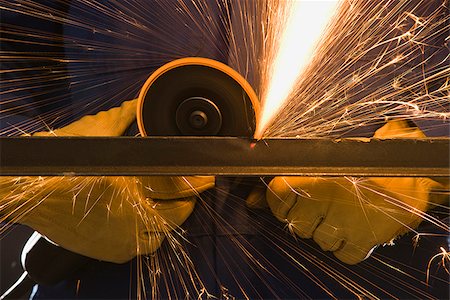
x: 87, y: 156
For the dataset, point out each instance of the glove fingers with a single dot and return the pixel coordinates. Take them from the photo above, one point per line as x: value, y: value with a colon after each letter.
x: 280, y: 197
x: 170, y: 214
x: 163, y: 216
x: 328, y: 237
x: 305, y: 216
x: 398, y: 129
x: 149, y: 242
x: 351, y: 253
x: 166, y: 187
x: 113, y: 122
x: 283, y: 193
x: 304, y: 226
x: 308, y: 212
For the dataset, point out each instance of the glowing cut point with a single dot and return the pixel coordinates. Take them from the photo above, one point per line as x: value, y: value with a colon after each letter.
x: 304, y: 27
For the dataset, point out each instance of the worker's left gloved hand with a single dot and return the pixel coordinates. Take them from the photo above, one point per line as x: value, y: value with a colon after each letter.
x: 107, y: 218
x: 350, y: 216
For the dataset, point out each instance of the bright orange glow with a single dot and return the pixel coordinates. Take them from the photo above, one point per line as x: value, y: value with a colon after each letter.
x: 304, y: 27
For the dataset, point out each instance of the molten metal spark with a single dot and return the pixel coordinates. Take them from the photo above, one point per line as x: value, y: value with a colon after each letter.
x: 305, y: 24
x: 445, y: 260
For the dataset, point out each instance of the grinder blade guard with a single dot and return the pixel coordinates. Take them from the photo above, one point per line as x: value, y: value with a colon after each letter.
x: 197, y: 96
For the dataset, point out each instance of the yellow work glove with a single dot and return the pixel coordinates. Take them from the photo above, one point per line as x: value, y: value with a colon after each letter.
x: 107, y: 218
x: 351, y: 216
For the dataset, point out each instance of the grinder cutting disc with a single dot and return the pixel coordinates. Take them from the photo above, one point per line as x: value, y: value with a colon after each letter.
x: 197, y: 97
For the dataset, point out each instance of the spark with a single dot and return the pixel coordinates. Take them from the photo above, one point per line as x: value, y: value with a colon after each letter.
x: 361, y: 73
x: 304, y: 27
x: 445, y: 260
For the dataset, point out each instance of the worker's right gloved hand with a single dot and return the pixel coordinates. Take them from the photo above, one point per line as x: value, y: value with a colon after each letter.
x: 107, y: 218
x: 350, y: 216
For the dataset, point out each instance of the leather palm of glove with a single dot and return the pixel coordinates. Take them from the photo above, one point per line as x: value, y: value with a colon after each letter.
x: 351, y: 216
x: 107, y: 218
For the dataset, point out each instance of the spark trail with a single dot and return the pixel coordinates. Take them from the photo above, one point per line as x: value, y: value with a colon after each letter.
x: 304, y: 26
x: 378, y: 60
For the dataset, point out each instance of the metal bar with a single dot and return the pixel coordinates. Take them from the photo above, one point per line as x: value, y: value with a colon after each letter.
x: 86, y: 156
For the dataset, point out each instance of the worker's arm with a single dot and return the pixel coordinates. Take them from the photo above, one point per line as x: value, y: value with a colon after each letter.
x: 351, y: 216
x: 107, y: 218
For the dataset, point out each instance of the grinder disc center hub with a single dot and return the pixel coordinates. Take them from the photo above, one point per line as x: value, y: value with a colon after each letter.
x: 198, y: 119
x: 198, y: 116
